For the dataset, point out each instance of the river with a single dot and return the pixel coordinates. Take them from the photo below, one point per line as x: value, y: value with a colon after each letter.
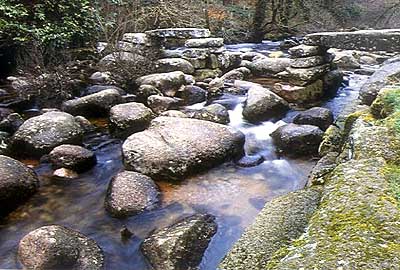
x: 233, y: 194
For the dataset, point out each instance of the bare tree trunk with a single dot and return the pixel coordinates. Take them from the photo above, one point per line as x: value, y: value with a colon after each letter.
x: 258, y: 30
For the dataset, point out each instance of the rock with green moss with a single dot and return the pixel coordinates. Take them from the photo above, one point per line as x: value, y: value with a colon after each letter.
x: 386, y: 103
x: 283, y: 219
x: 368, y: 140
x: 357, y: 225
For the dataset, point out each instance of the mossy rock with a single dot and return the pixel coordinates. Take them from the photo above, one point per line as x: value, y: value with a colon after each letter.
x: 283, y: 219
x: 357, y: 225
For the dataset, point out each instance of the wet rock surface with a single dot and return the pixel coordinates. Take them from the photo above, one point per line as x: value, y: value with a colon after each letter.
x: 298, y: 140
x: 131, y: 193
x: 175, y: 147
x: 57, y: 247
x: 180, y: 246
x: 316, y: 116
x: 17, y: 184
x: 263, y: 104
x: 168, y: 83
x: 39, y: 135
x: 72, y: 157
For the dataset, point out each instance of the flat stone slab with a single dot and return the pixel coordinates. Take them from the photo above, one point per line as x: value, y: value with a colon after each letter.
x: 204, y: 42
x: 365, y: 40
x: 182, y: 33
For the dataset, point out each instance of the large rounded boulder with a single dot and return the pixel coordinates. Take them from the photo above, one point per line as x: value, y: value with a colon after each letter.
x: 73, y: 157
x: 128, y: 118
x: 262, y: 104
x: 97, y: 104
x: 317, y: 116
x: 130, y: 193
x: 57, y: 247
x: 175, y: 147
x: 17, y: 184
x: 39, y: 135
x: 298, y: 140
x: 182, y: 245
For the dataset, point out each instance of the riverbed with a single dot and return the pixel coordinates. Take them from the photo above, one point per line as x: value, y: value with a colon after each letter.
x: 233, y: 194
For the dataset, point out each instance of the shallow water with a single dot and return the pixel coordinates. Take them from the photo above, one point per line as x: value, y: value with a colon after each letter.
x: 234, y: 195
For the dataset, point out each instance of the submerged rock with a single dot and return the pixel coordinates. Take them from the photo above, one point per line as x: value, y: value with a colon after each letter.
x: 317, y: 116
x: 39, y: 135
x: 72, y: 157
x: 173, y: 148
x: 57, y: 247
x: 282, y: 220
x: 130, y: 193
x: 128, y: 118
x: 298, y: 140
x: 263, y: 104
x: 97, y: 104
x: 250, y: 161
x: 17, y: 184
x: 182, y: 245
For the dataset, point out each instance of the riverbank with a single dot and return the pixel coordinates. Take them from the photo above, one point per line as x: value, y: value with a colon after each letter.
x: 356, y: 223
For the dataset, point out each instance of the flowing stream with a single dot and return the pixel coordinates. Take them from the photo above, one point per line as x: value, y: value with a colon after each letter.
x: 234, y: 195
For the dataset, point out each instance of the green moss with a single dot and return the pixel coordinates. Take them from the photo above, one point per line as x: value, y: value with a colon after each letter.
x: 392, y: 175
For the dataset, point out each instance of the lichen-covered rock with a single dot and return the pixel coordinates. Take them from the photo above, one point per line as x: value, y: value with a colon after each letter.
x: 39, y: 135
x: 204, y: 43
x: 368, y: 140
x: 173, y: 148
x: 357, y: 225
x: 182, y: 245
x: 128, y: 118
x: 192, y: 94
x: 93, y: 105
x: 203, y: 74
x: 389, y: 72
x: 306, y: 51
x: 136, y: 38
x: 57, y: 247
x: 269, y: 66
x: 121, y: 57
x: 323, y: 168
x: 317, y: 116
x: 346, y: 60
x: 229, y: 60
x: 331, y: 141
x: 174, y: 64
x: 168, y: 83
x: 145, y: 91
x: 214, y: 113
x: 236, y: 74
x: 306, y: 62
x: 180, y: 33
x: 17, y: 184
x: 130, y: 193
x: 364, y: 40
x: 299, y: 94
x: 283, y: 219
x: 161, y: 104
x: 298, y: 140
x: 72, y: 157
x: 263, y: 104
x: 304, y: 76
